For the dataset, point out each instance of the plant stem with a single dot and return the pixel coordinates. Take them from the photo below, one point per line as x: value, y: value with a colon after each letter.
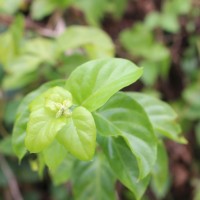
x: 12, y: 182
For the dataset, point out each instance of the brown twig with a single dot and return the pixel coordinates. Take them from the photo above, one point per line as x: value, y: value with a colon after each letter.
x: 29, y: 24
x: 12, y: 182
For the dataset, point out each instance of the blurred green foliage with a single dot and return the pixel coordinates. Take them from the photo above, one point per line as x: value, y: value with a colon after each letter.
x: 28, y: 59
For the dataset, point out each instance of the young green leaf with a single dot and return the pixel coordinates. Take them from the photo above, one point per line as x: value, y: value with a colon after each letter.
x: 49, y: 113
x: 94, y: 82
x: 19, y: 131
x: 161, y: 115
x: 79, y: 135
x: 42, y: 128
x: 122, y: 116
x: 93, y: 180
x: 124, y: 164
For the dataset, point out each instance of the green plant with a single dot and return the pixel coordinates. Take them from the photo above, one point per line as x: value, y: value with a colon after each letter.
x: 26, y: 60
x: 140, y: 42
x: 87, y: 132
x: 93, y: 12
x: 168, y: 18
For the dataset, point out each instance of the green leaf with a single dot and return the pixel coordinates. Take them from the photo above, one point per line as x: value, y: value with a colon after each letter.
x: 42, y: 128
x: 94, y: 10
x: 116, y: 8
x: 124, y: 164
x: 95, y: 42
x: 161, y: 115
x: 122, y: 116
x: 94, y: 82
x: 137, y: 40
x: 9, y: 6
x: 42, y: 8
x: 6, y: 146
x: 11, y: 42
x: 22, y: 117
x: 160, y: 173
x: 93, y: 180
x: 192, y: 96
x: 177, y: 7
x: 169, y: 22
x: 64, y: 171
x: 152, y: 20
x: 151, y: 72
x: 49, y: 113
x: 10, y: 111
x: 29, y: 60
x: 140, y: 41
x: 79, y: 135
x: 54, y: 155
x: 17, y: 81
x: 197, y: 133
x: 19, y: 132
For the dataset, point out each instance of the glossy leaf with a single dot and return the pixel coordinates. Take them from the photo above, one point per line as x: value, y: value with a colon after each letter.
x: 122, y: 116
x: 94, y: 82
x: 79, y: 135
x: 161, y: 115
x: 124, y: 164
x: 93, y: 180
x: 22, y: 117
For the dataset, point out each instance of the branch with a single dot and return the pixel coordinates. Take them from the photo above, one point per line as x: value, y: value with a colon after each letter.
x: 29, y: 24
x: 12, y: 182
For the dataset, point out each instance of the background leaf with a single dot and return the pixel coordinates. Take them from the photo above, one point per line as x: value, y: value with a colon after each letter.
x: 93, y: 10
x: 42, y: 8
x: 6, y: 146
x: 94, y: 41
